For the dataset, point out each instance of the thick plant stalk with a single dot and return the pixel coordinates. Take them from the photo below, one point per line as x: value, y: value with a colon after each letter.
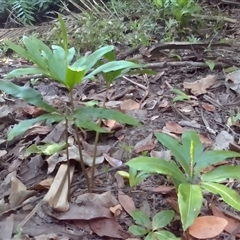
x: 96, y: 144
x: 79, y: 147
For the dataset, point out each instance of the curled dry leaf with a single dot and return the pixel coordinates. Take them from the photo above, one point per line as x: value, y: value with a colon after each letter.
x: 163, y: 189
x: 126, y: 202
x: 145, y: 145
x: 116, y: 210
x: 207, y: 227
x: 200, y: 86
x: 113, y: 161
x: 209, y: 107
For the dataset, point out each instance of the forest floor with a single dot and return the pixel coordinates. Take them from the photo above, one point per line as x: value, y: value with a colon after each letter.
x: 205, y: 70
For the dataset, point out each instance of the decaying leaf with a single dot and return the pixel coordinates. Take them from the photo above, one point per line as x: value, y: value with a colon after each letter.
x: 207, y: 227
x: 200, y: 86
x: 126, y: 202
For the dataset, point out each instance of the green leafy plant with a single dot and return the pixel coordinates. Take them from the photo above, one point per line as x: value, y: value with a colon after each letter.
x: 187, y: 173
x: 152, y: 229
x: 134, y: 177
x: 181, y: 96
x: 56, y: 63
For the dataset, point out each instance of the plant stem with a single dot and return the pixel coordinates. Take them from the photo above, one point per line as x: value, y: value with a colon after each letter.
x: 68, y: 160
x: 80, y: 146
x: 96, y: 144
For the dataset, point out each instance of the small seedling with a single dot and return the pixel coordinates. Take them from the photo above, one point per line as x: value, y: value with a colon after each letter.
x: 211, y: 64
x: 187, y: 173
x: 181, y: 96
x: 134, y: 177
x: 152, y: 229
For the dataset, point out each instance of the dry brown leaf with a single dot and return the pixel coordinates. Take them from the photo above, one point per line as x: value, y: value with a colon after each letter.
x: 43, y: 185
x: 89, y: 148
x: 164, y: 154
x: 126, y: 202
x: 3, y: 153
x: 200, y: 86
x: 57, y: 195
x: 108, y: 228
x: 120, y: 180
x: 33, y: 111
x: 105, y: 199
x: 232, y: 223
x: 37, y: 130
x: 116, y: 210
x: 6, y: 227
x: 173, y: 127
x: 113, y: 161
x: 112, y: 124
x: 129, y: 105
x: 84, y: 211
x: 145, y: 144
x: 207, y: 227
x: 163, y: 189
x: 205, y: 140
x: 164, y: 104
x: 209, y: 107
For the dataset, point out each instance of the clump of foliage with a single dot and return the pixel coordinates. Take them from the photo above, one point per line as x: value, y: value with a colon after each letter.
x: 189, y: 174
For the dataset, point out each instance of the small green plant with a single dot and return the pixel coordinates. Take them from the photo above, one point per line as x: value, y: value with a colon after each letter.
x: 187, y: 173
x: 181, y: 96
x: 152, y: 229
x: 134, y: 177
x: 57, y: 64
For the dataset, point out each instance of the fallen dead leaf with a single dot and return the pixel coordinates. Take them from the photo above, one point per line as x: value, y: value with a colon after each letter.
x: 209, y: 107
x: 205, y: 140
x: 163, y: 189
x: 173, y: 127
x: 119, y: 179
x: 43, y: 185
x: 89, y: 148
x: 126, y: 202
x: 129, y: 105
x: 200, y: 86
x: 222, y: 141
x: 113, y: 161
x: 207, y: 227
x: 233, y: 81
x: 145, y: 145
x: 232, y: 223
x: 6, y: 227
x: 108, y: 228
x: 164, y: 154
x: 116, y: 210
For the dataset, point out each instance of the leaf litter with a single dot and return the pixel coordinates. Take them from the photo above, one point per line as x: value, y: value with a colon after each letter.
x: 25, y: 178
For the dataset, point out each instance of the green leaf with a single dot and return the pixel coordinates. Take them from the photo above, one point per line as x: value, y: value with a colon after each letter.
x: 161, y: 235
x: 176, y: 149
x: 229, y: 196
x: 27, y: 94
x: 19, y: 50
x: 89, y: 125
x: 47, y: 149
x: 136, y: 177
x: 212, y: 157
x: 92, y: 59
x: 26, y: 124
x: 63, y: 33
x: 137, y: 230
x: 221, y: 173
x: 162, y: 219
x: 74, y: 76
x: 141, y: 218
x: 190, y: 202
x: 105, y: 113
x: 25, y: 71
x: 112, y: 66
x: 157, y: 165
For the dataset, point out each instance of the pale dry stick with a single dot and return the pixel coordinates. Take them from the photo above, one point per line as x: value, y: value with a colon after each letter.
x: 137, y: 84
x: 216, y: 18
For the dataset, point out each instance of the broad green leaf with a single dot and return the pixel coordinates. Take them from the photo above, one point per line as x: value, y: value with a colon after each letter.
x: 162, y: 219
x: 74, y: 76
x: 157, y: 165
x: 229, y: 196
x: 34, y: 49
x: 89, y: 125
x: 47, y: 149
x: 141, y: 218
x: 88, y: 112
x: 112, y: 66
x: 26, y: 124
x: 92, y: 59
x: 71, y: 54
x: 176, y: 149
x: 26, y: 93
x: 189, y: 202
x: 221, y: 173
x: 137, y: 230
x: 63, y: 33
x: 19, y: 50
x: 136, y: 177
x: 161, y: 235
x: 212, y: 157
x: 25, y: 71
x: 110, y: 56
